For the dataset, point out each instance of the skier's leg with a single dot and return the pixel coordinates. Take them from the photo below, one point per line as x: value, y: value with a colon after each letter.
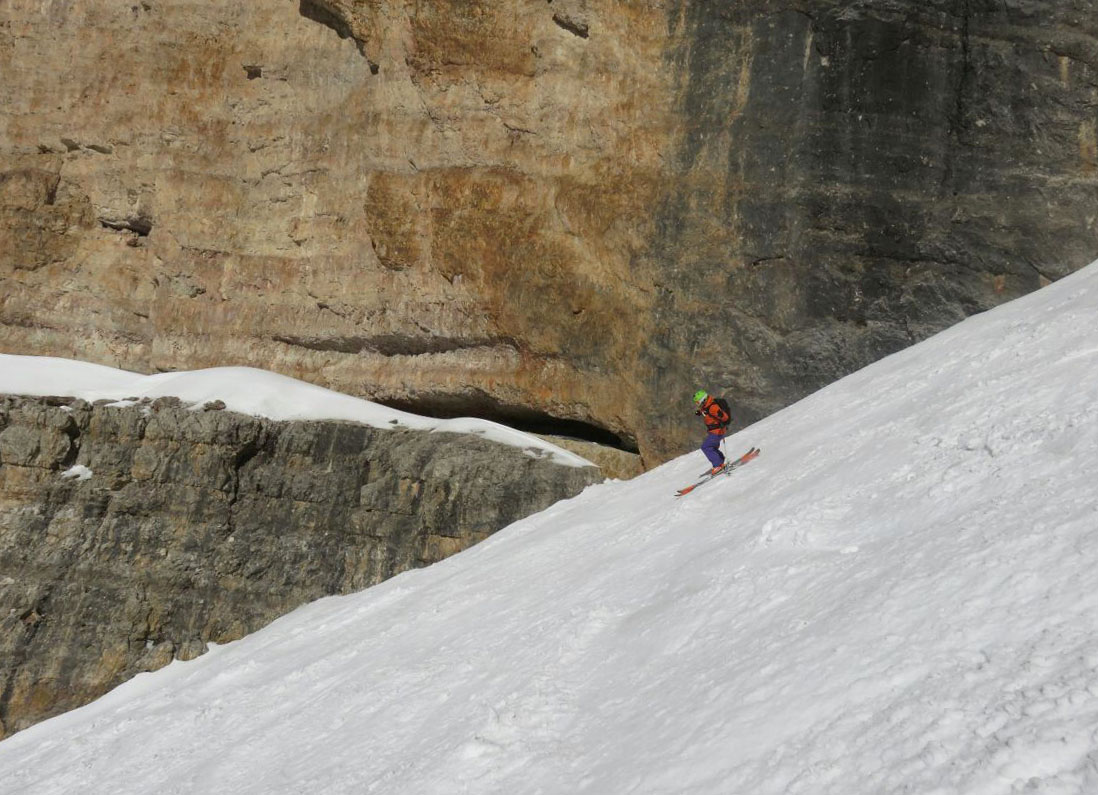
x: 711, y: 448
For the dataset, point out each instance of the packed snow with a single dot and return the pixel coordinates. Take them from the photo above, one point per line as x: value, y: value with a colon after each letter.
x: 249, y: 391
x: 899, y: 596
x: 78, y: 472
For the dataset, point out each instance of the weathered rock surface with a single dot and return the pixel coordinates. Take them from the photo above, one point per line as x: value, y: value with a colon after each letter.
x: 132, y: 536
x: 567, y: 215
x: 854, y: 177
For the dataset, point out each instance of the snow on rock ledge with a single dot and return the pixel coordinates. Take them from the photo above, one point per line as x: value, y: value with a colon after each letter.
x: 249, y: 391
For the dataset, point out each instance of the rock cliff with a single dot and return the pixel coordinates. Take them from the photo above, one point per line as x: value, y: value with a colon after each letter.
x: 566, y: 215
x: 130, y: 536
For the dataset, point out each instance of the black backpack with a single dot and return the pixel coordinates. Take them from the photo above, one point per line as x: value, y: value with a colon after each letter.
x: 724, y: 407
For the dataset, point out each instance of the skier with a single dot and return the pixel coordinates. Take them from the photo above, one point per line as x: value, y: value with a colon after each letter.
x: 716, y: 415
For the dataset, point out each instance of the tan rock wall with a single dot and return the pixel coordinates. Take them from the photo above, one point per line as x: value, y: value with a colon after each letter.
x: 453, y: 210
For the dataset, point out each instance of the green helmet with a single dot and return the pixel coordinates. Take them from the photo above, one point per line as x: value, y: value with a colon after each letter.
x: 700, y: 395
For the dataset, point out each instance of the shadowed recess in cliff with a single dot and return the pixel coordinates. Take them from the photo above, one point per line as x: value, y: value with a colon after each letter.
x: 139, y: 225
x: 523, y: 418
x: 321, y: 12
x: 575, y: 27
x: 392, y: 344
x: 325, y: 14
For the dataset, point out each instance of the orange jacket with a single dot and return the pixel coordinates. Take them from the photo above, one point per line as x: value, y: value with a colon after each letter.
x: 715, y: 417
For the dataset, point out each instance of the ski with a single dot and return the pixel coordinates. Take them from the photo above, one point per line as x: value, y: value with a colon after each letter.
x: 750, y: 455
x: 730, y: 465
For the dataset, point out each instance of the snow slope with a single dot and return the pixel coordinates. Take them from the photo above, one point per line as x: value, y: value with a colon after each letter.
x: 248, y: 391
x: 899, y: 596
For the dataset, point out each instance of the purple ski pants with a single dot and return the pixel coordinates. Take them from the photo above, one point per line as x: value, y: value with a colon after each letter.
x: 712, y: 449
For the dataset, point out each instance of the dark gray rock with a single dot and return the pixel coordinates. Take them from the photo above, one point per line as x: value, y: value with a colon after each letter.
x: 855, y: 177
x: 201, y: 526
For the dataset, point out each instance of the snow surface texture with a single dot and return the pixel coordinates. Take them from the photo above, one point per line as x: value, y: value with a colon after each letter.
x: 248, y: 391
x: 899, y: 596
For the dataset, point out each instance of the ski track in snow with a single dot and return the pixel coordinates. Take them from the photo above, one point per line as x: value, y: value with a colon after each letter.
x: 900, y: 595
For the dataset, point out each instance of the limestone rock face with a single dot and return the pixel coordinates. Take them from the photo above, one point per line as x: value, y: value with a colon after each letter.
x: 567, y: 215
x: 132, y: 536
x: 855, y: 177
